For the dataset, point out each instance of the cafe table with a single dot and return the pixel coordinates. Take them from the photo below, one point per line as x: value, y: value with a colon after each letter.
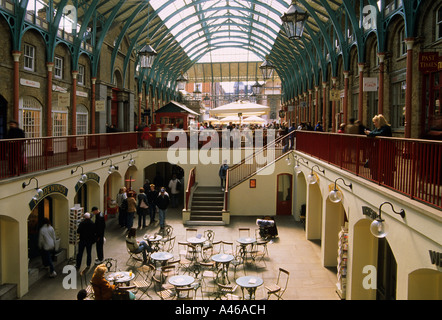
x: 120, y: 277
x: 244, y: 242
x: 250, y: 283
x: 181, y: 280
x: 154, y: 241
x: 161, y: 256
x: 223, y: 260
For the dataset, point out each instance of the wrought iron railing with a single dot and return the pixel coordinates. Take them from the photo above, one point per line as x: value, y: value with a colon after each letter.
x: 411, y: 167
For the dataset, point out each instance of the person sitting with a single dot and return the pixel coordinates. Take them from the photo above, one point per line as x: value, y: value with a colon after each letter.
x: 102, y: 288
x: 136, y: 246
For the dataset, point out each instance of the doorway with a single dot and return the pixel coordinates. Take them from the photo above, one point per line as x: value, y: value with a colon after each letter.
x: 35, y: 221
x: 284, y: 194
x: 387, y: 272
x: 3, y: 117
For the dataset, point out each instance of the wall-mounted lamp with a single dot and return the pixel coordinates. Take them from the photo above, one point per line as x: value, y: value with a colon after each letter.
x: 298, y: 167
x: 39, y: 193
x: 83, y: 176
x: 335, y: 195
x: 112, y: 168
x: 131, y: 161
x: 378, y: 227
x: 312, y: 178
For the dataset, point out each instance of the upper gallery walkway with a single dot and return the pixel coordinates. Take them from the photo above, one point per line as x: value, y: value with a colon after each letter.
x: 408, y: 166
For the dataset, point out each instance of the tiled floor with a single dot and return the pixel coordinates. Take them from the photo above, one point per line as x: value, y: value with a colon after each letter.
x: 290, y: 250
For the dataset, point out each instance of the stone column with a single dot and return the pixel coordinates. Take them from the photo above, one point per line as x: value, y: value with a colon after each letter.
x: 361, y: 91
x: 334, y: 107
x: 16, y: 55
x: 409, y: 90
x: 49, y: 149
x: 324, y: 106
x: 381, y: 83
x: 317, y: 104
x: 345, y: 103
x: 93, y: 105
x: 74, y: 108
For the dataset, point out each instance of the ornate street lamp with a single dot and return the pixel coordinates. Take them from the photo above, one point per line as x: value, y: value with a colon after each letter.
x: 294, y: 21
x: 266, y: 69
x: 147, y: 55
x: 181, y: 82
x: 256, y: 88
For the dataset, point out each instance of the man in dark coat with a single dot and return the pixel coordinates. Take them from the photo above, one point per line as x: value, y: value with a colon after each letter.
x: 162, y: 203
x: 15, y: 148
x: 86, y: 230
x: 100, y: 226
x: 152, y: 195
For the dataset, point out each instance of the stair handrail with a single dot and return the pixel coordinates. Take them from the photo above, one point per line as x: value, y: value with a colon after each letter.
x: 190, y: 183
x: 241, y: 177
x: 226, y: 191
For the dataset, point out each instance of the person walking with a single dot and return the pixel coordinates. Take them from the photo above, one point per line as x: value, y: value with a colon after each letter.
x: 174, y: 187
x: 100, y: 226
x: 122, y: 206
x: 152, y: 195
x: 222, y: 174
x: 162, y: 202
x: 131, y: 209
x: 142, y: 208
x: 46, y: 243
x: 86, y: 230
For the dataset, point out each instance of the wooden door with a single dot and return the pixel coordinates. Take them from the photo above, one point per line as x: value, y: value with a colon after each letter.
x: 284, y: 194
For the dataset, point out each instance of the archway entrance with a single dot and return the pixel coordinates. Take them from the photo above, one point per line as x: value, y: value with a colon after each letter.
x: 387, y: 272
x: 284, y: 194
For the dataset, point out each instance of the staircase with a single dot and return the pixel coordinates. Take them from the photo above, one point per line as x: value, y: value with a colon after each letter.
x: 207, y: 206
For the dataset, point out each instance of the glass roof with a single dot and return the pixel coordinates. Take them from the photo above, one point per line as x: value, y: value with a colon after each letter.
x: 223, y: 30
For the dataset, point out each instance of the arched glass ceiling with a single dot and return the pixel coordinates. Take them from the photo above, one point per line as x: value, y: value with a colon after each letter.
x: 194, y: 26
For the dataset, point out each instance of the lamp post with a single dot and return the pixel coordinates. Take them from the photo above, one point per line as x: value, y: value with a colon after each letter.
x: 378, y: 227
x: 147, y: 55
x: 182, y: 81
x: 266, y: 69
x: 294, y: 21
x: 335, y: 195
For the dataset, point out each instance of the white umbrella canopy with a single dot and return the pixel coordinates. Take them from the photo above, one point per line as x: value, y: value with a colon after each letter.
x: 215, y: 120
x: 228, y: 119
x: 246, y: 108
x: 254, y: 119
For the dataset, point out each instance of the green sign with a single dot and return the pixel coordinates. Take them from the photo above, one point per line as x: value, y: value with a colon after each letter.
x: 48, y: 190
x: 90, y: 176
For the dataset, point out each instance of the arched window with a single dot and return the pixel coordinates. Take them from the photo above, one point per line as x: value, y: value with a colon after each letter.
x: 402, y: 46
x: 82, y: 120
x: 30, y: 116
x: 59, y: 121
x: 439, y: 23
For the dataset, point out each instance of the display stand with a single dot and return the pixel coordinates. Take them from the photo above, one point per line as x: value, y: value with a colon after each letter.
x: 75, y: 216
x: 341, y: 285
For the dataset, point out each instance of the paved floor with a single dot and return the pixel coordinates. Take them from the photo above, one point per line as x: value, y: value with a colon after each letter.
x: 291, y: 251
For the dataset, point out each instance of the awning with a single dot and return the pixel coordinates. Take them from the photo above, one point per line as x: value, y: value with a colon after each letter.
x: 254, y: 119
x: 246, y: 108
x: 174, y: 106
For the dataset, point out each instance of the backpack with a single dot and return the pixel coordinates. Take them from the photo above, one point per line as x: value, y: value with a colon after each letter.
x: 124, y: 205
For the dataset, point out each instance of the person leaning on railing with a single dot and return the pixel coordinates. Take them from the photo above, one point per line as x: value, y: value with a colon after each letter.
x: 382, y: 129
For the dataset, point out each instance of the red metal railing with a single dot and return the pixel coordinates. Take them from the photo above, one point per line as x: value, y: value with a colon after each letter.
x: 20, y: 156
x: 411, y: 167
x: 190, y: 184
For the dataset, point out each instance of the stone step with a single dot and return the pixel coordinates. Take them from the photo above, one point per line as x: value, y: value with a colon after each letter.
x: 8, y: 291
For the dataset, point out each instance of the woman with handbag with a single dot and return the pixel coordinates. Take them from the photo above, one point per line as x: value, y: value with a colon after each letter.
x: 142, y: 208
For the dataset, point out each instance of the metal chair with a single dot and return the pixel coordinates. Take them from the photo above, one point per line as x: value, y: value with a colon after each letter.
x: 162, y: 293
x: 168, y: 244
x: 133, y: 256
x: 228, y: 247
x: 280, y: 286
x: 244, y: 232
x: 226, y: 292
x: 89, y: 289
x: 111, y: 264
x: 185, y: 293
x: 146, y: 273
x: 191, y: 232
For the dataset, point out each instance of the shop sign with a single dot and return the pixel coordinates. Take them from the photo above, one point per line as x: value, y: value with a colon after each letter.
x: 48, y: 190
x: 429, y: 62
x: 100, y: 106
x: 335, y: 95
x: 29, y: 83
x: 82, y: 94
x: 90, y: 176
x: 64, y: 99
x: 370, y: 84
x: 436, y: 258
